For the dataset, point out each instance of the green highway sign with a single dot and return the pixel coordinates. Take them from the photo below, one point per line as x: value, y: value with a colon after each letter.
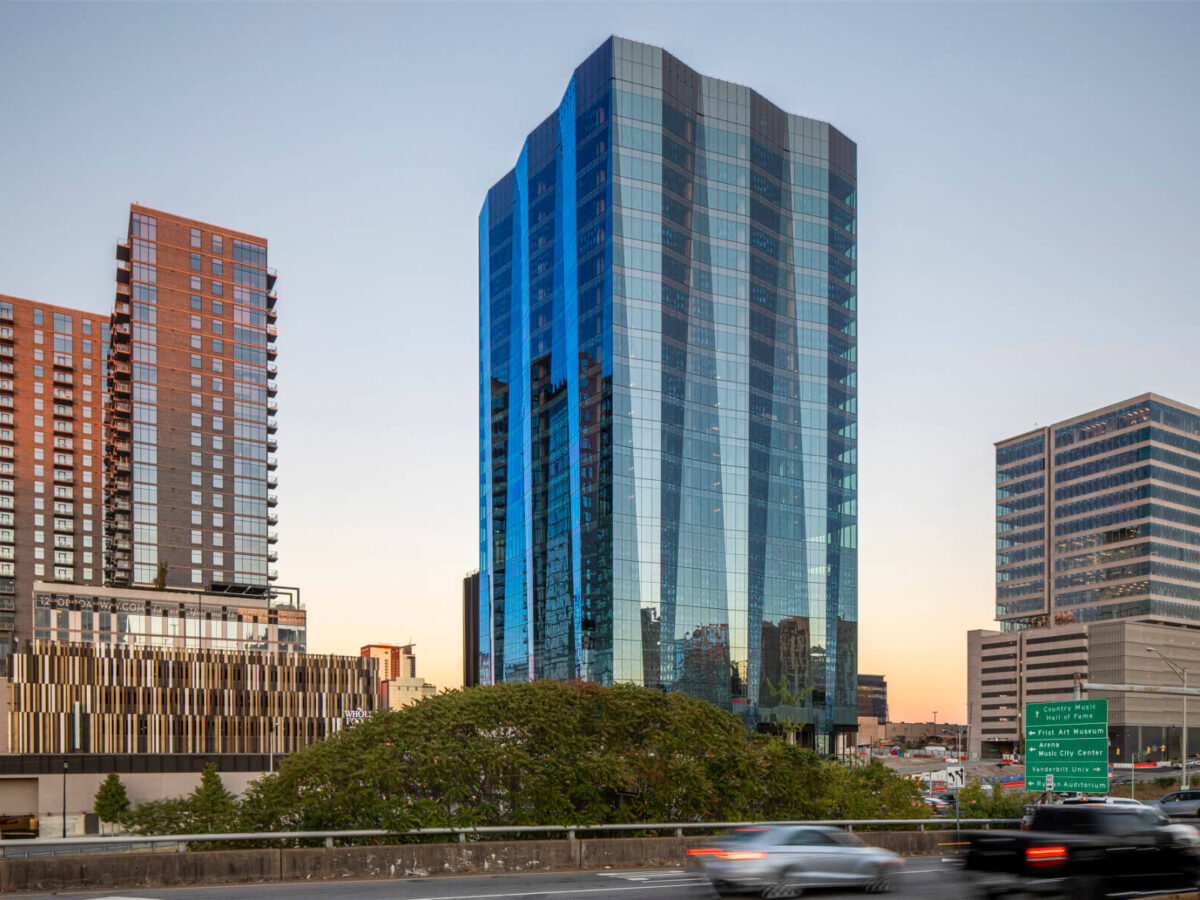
x: 1066, y: 746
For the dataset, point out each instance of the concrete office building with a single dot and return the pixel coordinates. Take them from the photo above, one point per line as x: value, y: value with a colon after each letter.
x: 399, y: 683
x: 668, y: 397
x: 1097, y: 521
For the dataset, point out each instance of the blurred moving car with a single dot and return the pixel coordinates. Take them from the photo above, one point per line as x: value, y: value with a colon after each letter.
x: 1098, y: 800
x: 1178, y: 805
x: 939, y: 804
x: 775, y: 861
x: 1086, y: 851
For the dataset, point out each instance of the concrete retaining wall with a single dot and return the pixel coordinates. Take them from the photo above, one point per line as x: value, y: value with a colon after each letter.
x: 128, y: 870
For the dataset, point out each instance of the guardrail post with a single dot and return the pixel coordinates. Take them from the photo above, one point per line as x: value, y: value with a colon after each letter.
x: 921, y: 827
x: 181, y: 847
x: 678, y: 832
x: 570, y: 834
x: 850, y: 828
x: 462, y: 837
x: 328, y: 843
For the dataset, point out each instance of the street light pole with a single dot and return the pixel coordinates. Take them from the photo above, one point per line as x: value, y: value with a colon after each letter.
x: 1182, y: 673
x: 66, y: 765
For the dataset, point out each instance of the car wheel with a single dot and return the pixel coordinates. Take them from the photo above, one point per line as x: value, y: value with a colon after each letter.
x: 880, y: 883
x: 790, y: 886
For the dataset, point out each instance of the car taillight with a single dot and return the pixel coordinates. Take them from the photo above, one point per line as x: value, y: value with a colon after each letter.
x: 703, y: 851
x: 743, y: 854
x: 1046, y: 856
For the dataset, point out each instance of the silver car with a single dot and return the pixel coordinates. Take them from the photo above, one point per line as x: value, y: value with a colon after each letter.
x: 783, y: 861
x: 1178, y: 805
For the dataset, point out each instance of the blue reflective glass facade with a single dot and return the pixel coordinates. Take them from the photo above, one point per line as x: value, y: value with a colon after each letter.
x: 668, y: 398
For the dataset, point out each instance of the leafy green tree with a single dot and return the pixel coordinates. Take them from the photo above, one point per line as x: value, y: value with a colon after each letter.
x: 976, y: 801
x: 159, y: 817
x: 560, y: 752
x: 111, y: 803
x: 211, y: 808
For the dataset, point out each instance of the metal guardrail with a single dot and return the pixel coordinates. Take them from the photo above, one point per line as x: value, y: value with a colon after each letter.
x: 570, y: 832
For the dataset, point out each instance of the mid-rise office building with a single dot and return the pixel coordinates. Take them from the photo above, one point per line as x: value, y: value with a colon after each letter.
x: 1097, y: 520
x: 189, y: 486
x: 471, y: 630
x: 668, y: 398
x: 872, y: 697
x: 399, y: 683
x: 1098, y: 517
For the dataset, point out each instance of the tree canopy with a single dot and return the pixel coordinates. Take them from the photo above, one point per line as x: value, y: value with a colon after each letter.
x: 538, y: 753
x: 551, y: 752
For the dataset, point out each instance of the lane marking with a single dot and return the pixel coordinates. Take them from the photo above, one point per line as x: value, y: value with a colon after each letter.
x: 596, y: 890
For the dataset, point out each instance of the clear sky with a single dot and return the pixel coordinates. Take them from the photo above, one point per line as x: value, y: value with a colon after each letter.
x: 1029, y: 243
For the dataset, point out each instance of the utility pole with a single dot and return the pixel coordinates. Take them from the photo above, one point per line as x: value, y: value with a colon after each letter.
x: 1181, y: 672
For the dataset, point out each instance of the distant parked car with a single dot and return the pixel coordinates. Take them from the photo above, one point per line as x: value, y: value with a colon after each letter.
x: 1179, y: 805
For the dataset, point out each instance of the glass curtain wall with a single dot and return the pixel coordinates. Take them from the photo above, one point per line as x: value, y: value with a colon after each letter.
x: 668, y: 398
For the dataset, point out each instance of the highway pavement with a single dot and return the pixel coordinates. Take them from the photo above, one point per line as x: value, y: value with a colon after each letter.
x: 924, y: 878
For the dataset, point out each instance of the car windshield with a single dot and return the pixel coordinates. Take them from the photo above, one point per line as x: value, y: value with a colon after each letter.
x: 749, y: 836
x: 847, y: 839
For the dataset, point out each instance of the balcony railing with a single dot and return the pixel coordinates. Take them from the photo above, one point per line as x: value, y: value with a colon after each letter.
x: 272, y: 519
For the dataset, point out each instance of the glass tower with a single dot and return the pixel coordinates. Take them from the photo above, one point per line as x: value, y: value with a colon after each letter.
x: 668, y: 413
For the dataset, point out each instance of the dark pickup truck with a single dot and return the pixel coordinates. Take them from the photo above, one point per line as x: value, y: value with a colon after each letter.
x: 1088, y: 852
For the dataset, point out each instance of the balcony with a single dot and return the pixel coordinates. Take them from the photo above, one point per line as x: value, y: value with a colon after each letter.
x: 122, y: 252
x: 122, y: 465
x: 121, y: 485
x: 272, y: 370
x: 272, y: 574
x: 272, y: 556
x: 64, y: 378
x: 272, y: 463
x: 121, y: 504
x: 120, y: 349
x: 121, y: 368
x: 272, y: 351
x: 123, y: 274
x: 272, y: 482
x: 272, y: 519
x: 123, y: 544
x: 64, y: 361
x: 272, y: 499
x: 272, y: 445
x: 272, y: 274
x: 121, y: 407
x: 64, y: 476
x: 121, y: 425
x: 272, y: 388
x: 121, y: 309
x: 272, y: 425
x: 122, y: 290
x: 64, y: 525
x: 121, y: 387
x: 121, y: 328
x: 121, y: 446
x: 272, y: 407
x: 272, y: 332
x: 272, y: 537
